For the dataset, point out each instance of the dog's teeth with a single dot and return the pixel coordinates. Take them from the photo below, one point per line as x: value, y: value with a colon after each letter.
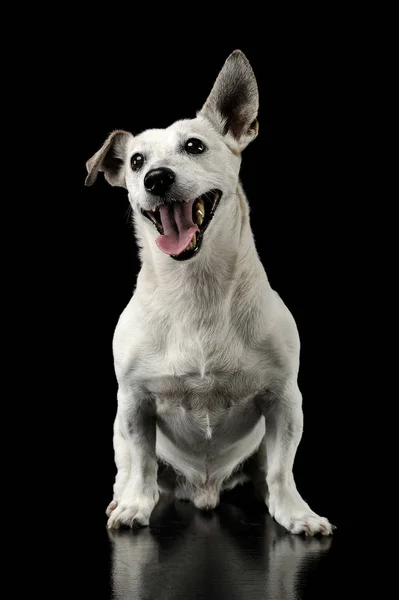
x: 199, y: 217
x: 192, y: 243
x: 200, y: 212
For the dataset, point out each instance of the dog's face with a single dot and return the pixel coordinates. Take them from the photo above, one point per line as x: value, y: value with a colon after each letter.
x: 178, y: 177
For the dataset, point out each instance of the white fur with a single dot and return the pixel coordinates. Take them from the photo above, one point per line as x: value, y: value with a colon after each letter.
x: 198, y: 468
x: 205, y: 346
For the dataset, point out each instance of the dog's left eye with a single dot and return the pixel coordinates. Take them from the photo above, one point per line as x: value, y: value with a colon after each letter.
x: 194, y: 146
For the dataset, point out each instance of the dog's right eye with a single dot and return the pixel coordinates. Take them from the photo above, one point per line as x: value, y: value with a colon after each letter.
x: 137, y: 161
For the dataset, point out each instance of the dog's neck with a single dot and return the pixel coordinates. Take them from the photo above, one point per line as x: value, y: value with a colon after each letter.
x: 226, y: 256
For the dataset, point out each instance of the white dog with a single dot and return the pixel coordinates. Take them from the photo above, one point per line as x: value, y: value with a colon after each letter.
x: 206, y: 353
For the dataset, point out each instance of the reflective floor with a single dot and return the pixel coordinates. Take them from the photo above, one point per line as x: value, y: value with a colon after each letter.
x: 235, y: 552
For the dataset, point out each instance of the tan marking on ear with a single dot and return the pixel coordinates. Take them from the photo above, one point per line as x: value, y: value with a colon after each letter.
x: 98, y: 162
x: 255, y: 127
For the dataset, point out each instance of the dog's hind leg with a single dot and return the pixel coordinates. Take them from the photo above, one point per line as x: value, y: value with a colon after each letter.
x: 284, y: 424
x: 123, y: 463
x: 236, y: 479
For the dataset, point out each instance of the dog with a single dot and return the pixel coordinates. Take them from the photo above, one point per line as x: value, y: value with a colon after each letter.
x: 206, y: 353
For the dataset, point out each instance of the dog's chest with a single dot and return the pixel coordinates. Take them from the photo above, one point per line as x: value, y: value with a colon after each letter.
x: 206, y: 407
x: 204, y: 391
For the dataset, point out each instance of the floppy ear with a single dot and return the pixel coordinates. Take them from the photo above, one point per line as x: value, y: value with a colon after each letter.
x: 232, y: 105
x: 110, y: 159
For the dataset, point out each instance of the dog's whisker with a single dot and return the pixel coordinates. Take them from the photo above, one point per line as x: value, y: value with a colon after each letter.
x: 129, y: 214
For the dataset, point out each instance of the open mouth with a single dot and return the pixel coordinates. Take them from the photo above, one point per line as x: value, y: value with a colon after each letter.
x: 181, y: 225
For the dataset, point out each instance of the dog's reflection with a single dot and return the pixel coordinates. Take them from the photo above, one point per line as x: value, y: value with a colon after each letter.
x: 233, y: 552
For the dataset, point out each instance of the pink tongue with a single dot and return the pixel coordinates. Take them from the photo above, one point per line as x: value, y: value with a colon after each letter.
x: 178, y: 226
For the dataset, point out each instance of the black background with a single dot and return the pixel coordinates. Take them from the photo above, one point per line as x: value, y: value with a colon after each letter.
x: 295, y: 175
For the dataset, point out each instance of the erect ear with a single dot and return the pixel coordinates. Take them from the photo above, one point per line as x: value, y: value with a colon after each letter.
x: 110, y: 159
x: 232, y: 105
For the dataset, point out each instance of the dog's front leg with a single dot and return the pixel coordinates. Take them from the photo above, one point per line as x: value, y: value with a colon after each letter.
x: 284, y: 424
x: 137, y: 421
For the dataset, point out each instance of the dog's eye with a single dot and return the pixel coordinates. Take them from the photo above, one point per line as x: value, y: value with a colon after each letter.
x: 137, y: 161
x: 194, y: 146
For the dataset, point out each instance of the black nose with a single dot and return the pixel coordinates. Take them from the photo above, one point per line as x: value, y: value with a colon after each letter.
x: 158, y: 181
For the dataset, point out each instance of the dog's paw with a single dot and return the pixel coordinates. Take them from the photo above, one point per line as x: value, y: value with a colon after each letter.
x: 308, y: 524
x: 132, y: 514
x: 292, y: 513
x: 111, y: 506
x: 206, y: 499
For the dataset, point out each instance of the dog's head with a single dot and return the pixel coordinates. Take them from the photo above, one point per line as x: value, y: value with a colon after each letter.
x: 178, y: 177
